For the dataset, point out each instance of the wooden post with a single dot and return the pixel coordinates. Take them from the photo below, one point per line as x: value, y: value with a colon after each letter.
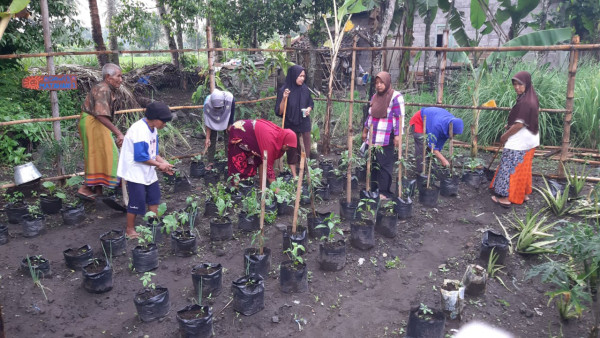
x: 263, y: 188
x: 451, y: 133
x: 284, y: 110
x: 209, y: 45
x: 440, y: 92
x: 370, y: 142
x: 425, y: 144
x: 310, y: 190
x: 574, y: 55
x: 350, y: 130
x: 298, y: 192
x: 399, y: 162
x: 51, y: 71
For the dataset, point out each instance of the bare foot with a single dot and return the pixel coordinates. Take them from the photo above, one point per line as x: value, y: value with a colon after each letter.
x: 132, y: 235
x: 382, y: 197
x: 526, y: 198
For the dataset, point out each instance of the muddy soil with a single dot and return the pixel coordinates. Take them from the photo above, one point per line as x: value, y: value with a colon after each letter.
x: 362, y: 300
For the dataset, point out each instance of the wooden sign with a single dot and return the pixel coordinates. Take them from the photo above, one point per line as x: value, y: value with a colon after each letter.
x: 50, y: 82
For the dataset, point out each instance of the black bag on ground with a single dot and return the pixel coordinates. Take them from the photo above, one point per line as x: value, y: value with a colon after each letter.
x: 195, y: 321
x: 248, y: 294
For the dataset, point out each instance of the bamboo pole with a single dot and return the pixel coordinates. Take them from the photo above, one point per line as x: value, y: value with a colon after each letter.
x: 370, y: 142
x: 440, y: 93
x: 284, y: 111
x: 401, y: 130
x: 211, y: 68
x: 573, y: 57
x: 55, y: 178
x: 294, y: 49
x: 424, y: 145
x: 350, y: 129
x: 451, y: 145
x: 298, y: 192
x: 263, y: 188
x: 310, y: 191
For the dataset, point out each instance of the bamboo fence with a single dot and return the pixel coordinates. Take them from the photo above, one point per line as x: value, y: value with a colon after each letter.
x: 572, y: 48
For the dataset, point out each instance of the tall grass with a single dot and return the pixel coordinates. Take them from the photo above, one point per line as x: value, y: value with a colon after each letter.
x: 550, y: 85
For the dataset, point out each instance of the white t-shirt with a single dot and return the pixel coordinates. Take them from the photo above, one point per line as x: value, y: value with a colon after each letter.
x: 523, y: 139
x: 140, y: 145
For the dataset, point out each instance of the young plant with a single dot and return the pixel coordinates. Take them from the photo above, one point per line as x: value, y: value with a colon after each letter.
x: 425, y: 312
x: 388, y: 207
x: 250, y: 204
x: 365, y: 208
x: 315, y: 174
x: 197, y: 158
x: 191, y: 209
x: 222, y: 206
x: 577, y: 182
x: 146, y: 237
x: 294, y: 255
x: 147, y: 280
x: 557, y: 203
x: 34, y: 210
x: 53, y: 190
x: 16, y: 197
x: 270, y: 217
x: 35, y: 276
x: 286, y: 190
x: 532, y: 231
x: 332, y: 223
x: 473, y: 163
x: 492, y: 267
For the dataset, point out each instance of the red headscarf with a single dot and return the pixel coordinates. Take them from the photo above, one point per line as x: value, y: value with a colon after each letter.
x: 272, y: 138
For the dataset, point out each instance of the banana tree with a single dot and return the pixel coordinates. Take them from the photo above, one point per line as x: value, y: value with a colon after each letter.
x: 13, y: 9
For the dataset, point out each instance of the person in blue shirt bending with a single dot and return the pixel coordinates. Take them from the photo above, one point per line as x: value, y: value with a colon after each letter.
x: 438, y: 128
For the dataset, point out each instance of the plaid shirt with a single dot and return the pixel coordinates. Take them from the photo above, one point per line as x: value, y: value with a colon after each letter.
x: 382, y: 128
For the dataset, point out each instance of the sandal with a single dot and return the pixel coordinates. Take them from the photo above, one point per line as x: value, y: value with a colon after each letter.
x: 89, y: 198
x: 497, y: 201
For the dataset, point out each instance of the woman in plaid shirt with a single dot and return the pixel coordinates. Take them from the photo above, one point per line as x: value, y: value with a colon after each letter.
x: 386, y: 115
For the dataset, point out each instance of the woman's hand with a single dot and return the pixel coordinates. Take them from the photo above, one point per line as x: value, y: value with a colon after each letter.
x: 504, y: 138
x: 308, y: 110
x: 286, y: 93
x: 364, y: 134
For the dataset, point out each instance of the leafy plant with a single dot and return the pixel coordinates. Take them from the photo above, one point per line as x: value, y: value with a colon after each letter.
x: 15, y: 197
x: 492, y: 267
x: 18, y: 156
x: 53, y: 190
x: 473, y: 163
x: 146, y: 237
x: 287, y: 190
x: 557, y: 203
x: 388, y: 206
x: 197, y: 158
x: 34, y: 210
x: 250, y: 204
x: 270, y: 217
x: 425, y: 312
x: 147, y: 280
x: 222, y: 207
x: 531, y: 232
x: 332, y: 223
x: 293, y: 253
x: 365, y: 208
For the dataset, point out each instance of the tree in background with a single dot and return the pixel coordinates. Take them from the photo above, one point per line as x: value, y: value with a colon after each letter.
x: 111, y: 11
x: 135, y: 24
x: 97, y: 33
x: 24, y: 35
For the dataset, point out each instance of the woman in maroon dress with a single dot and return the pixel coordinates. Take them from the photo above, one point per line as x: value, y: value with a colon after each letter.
x: 247, y: 141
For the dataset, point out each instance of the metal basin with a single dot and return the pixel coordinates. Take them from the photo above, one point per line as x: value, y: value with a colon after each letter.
x: 25, y: 173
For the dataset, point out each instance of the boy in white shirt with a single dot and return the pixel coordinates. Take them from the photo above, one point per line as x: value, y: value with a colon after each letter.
x: 139, y: 156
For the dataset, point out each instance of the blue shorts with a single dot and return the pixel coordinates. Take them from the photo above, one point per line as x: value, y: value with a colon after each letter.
x: 141, y: 195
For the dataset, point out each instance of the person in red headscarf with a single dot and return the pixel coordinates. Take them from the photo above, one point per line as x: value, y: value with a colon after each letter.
x: 512, y: 182
x: 248, y: 139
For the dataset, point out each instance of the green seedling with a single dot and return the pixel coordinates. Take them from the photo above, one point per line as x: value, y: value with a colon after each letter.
x: 293, y: 253
x: 147, y: 280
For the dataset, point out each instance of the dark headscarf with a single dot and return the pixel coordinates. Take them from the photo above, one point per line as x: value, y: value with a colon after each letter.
x: 381, y: 101
x: 527, y: 106
x: 299, y: 97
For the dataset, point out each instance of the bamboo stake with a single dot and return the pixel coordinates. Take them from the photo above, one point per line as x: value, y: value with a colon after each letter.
x: 574, y: 55
x: 350, y: 129
x: 451, y: 145
x: 263, y: 188
x: 298, y: 192
x: 400, y: 162
x: 310, y: 191
x: 424, y: 145
x: 211, y: 69
x: 368, y: 182
x: 284, y: 111
x: 407, y: 141
x: 429, y: 170
x: 440, y: 93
